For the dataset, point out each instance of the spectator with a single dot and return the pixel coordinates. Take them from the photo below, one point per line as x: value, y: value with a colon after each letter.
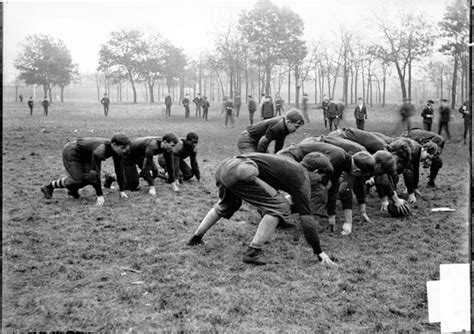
x: 186, y: 105
x: 256, y: 179
x: 252, y: 108
x: 407, y: 110
x: 258, y: 137
x: 20, y: 98
x: 31, y: 103
x: 465, y: 110
x: 105, y: 101
x: 198, y: 100
x: 168, y: 104
x: 305, y: 107
x: 45, y: 103
x: 267, y: 110
x: 228, y: 109
x: 325, y: 105
x: 333, y: 114
x: 279, y: 105
x: 360, y: 114
x: 444, y: 118
x: 82, y: 159
x: 237, y: 104
x: 427, y: 114
x: 205, y: 107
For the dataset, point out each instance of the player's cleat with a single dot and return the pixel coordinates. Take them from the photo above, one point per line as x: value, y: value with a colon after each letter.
x: 109, y: 179
x: 47, y: 190
x: 254, y: 256
x: 73, y: 193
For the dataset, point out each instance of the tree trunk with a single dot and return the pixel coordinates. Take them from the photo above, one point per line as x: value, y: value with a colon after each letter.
x: 383, y: 87
x: 401, y: 77
x: 409, y: 79
x: 441, y: 85
x: 289, y: 83
x: 453, y: 87
x: 134, y: 90
x: 297, y: 86
x: 151, y: 86
x: 62, y: 94
x: 268, y: 77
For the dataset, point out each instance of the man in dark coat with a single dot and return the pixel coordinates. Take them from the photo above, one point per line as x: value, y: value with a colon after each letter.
x: 252, y: 105
x: 168, y: 104
x: 197, y: 101
x: 31, y: 103
x: 360, y: 114
x: 45, y: 103
x: 267, y: 110
x: 186, y: 106
x: 465, y: 110
x: 279, y: 105
x: 333, y: 114
x: 105, y: 101
x: 444, y: 118
x: 427, y: 114
x: 237, y: 104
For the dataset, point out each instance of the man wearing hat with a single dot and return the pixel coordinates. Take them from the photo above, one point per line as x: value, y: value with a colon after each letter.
x: 465, y: 110
x: 186, y: 147
x: 197, y: 101
x: 428, y: 114
x: 186, y: 105
x: 252, y: 105
x: 82, y: 159
x: 279, y: 105
x: 142, y: 151
x: 257, y: 178
x: 237, y: 104
x: 205, y: 107
x: 360, y: 114
x: 168, y: 104
x: 105, y: 101
x: 267, y: 110
x: 45, y: 103
x: 444, y: 118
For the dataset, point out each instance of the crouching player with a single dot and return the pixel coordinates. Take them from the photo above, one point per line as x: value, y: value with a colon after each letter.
x: 256, y: 179
x: 350, y: 174
x: 141, y: 154
x: 82, y: 160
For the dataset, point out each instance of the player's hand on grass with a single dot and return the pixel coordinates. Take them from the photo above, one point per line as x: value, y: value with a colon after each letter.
x: 123, y: 194
x: 384, y: 205
x: 324, y: 258
x: 152, y: 191
x: 402, y: 206
x: 100, y: 200
x: 411, y: 198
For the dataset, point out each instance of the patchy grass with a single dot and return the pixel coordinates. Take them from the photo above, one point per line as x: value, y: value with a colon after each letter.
x: 63, y: 259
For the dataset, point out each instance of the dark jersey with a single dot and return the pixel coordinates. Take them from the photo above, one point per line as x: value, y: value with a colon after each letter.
x: 444, y: 114
x: 185, y: 150
x: 268, y: 130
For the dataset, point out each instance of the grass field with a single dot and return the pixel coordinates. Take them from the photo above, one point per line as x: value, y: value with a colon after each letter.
x: 64, y: 259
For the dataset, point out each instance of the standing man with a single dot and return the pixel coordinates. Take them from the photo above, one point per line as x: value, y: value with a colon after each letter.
x: 444, y: 118
x: 186, y: 105
x: 168, y: 104
x: 428, y: 114
x: 256, y: 179
x: 82, y: 159
x: 333, y: 114
x: 360, y: 114
x: 20, y: 98
x: 228, y: 109
x: 305, y: 108
x: 205, y: 107
x: 45, y: 104
x: 252, y: 108
x: 31, y: 103
x: 237, y: 103
x: 105, y: 101
x: 406, y: 112
x: 267, y: 110
x: 465, y: 110
x: 325, y: 106
x: 197, y: 100
x: 279, y: 105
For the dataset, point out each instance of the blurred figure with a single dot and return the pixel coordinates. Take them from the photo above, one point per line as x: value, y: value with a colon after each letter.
x: 237, y: 103
x: 205, y: 107
x: 31, y: 103
x: 444, y: 118
x: 186, y: 105
x: 305, y: 107
x: 360, y: 114
x: 267, y: 110
x: 406, y: 112
x: 228, y: 109
x: 20, y: 98
x: 428, y: 114
x: 105, y: 101
x: 168, y: 104
x: 252, y: 105
x: 197, y: 101
x: 465, y: 110
x: 45, y: 103
x: 333, y: 114
x: 325, y: 105
x: 279, y: 105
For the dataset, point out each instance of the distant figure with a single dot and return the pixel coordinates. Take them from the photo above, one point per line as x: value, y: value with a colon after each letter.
x: 105, y: 101
x: 237, y: 103
x: 428, y: 114
x: 205, y: 107
x: 305, y: 107
x: 279, y: 105
x: 168, y: 104
x: 227, y: 108
x: 360, y: 114
x: 252, y: 108
x: 325, y: 106
x: 444, y: 118
x: 406, y: 112
x: 197, y: 101
x: 45, y: 103
x: 20, y: 98
x: 333, y: 114
x: 31, y: 103
x: 186, y: 105
x: 262, y: 99
x: 465, y: 110
x: 267, y: 110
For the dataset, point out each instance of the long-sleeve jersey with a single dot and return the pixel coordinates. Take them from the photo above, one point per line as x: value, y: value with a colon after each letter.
x: 264, y: 132
x: 185, y: 150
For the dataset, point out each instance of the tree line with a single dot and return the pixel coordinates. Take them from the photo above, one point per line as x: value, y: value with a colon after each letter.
x: 265, y: 51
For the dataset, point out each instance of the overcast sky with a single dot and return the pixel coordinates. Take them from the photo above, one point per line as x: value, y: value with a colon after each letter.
x: 192, y: 25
